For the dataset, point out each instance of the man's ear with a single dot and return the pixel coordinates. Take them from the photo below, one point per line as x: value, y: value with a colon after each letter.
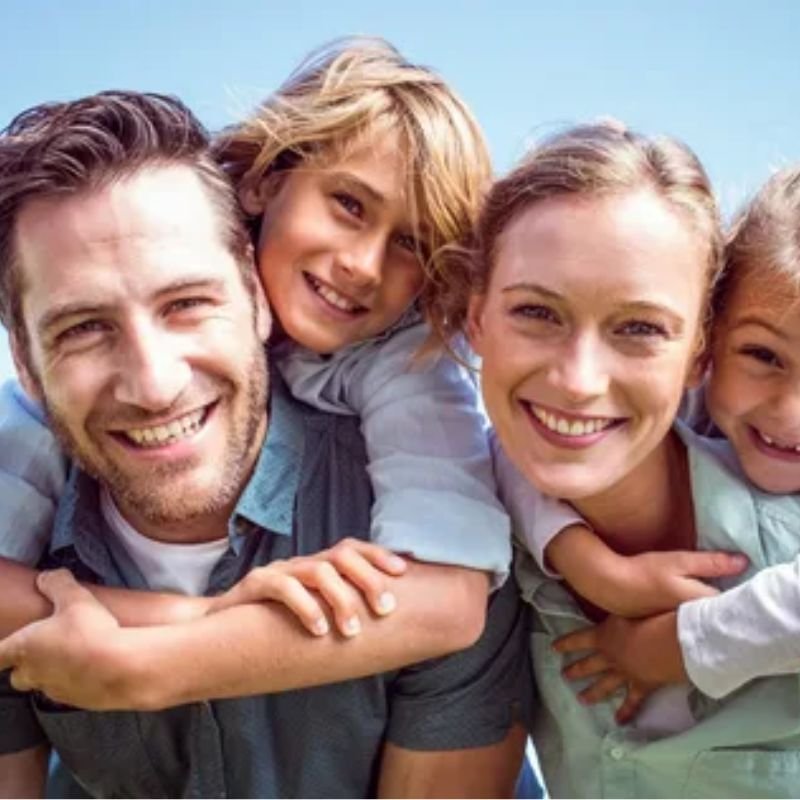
x: 20, y: 353
x: 263, y: 313
x: 477, y: 303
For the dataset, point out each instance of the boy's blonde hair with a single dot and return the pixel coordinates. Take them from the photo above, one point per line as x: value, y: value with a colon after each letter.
x: 588, y: 161
x: 355, y: 88
x: 765, y: 234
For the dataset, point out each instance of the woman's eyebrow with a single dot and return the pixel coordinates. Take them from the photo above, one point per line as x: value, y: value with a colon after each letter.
x: 525, y: 286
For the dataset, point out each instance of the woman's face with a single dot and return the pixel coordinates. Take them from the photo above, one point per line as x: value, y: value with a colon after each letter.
x: 588, y: 331
x: 337, y: 251
x: 754, y: 388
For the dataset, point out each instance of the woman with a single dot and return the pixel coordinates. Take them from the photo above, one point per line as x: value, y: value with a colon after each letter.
x: 595, y: 264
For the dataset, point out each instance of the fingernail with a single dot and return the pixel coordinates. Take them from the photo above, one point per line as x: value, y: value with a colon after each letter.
x: 395, y: 562
x: 321, y: 626
x: 386, y: 603
x: 352, y: 626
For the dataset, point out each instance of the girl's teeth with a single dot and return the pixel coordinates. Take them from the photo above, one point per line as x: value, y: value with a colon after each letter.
x: 566, y: 428
x: 788, y: 448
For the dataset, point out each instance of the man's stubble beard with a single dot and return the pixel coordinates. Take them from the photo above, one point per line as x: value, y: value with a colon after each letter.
x: 150, y: 497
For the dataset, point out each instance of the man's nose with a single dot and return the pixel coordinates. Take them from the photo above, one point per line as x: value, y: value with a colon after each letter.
x: 153, y: 370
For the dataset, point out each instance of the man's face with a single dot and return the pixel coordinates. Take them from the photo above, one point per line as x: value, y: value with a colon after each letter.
x: 146, y: 347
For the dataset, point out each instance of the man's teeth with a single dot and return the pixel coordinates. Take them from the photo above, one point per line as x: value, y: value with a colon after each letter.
x: 167, y: 434
x: 333, y: 297
x: 566, y: 427
x: 789, y: 448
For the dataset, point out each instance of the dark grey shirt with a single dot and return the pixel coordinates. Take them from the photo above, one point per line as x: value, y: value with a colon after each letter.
x: 309, y: 489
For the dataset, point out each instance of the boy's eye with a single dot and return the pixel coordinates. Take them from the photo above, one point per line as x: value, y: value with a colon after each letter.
x: 350, y: 204
x: 410, y: 242
x: 535, y: 311
x: 641, y: 328
x: 761, y: 354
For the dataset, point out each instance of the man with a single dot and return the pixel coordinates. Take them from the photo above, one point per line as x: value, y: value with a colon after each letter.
x: 136, y: 320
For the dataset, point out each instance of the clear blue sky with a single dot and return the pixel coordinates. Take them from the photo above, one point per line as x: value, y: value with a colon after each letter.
x: 722, y: 74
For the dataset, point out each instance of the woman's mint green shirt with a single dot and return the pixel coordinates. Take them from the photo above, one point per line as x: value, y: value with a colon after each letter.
x: 747, y: 745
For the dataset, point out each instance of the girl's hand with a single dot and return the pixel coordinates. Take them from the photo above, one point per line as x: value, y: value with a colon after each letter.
x: 638, y: 655
x: 310, y: 586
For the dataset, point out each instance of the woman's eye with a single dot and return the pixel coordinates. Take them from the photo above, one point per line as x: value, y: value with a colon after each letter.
x: 761, y: 354
x: 349, y: 203
x: 535, y: 312
x: 638, y: 327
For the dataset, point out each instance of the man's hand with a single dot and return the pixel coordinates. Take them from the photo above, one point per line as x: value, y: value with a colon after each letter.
x: 635, y: 655
x: 332, y: 575
x: 55, y: 655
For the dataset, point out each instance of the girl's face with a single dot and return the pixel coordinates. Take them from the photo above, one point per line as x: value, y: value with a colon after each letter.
x: 754, y: 387
x: 588, y: 331
x: 337, y: 252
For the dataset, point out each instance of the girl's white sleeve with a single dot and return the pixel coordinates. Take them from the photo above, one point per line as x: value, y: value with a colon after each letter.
x: 429, y: 458
x: 32, y: 476
x: 749, y: 631
x: 536, y: 518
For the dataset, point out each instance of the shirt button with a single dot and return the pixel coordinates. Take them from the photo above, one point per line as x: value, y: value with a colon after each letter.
x: 617, y: 753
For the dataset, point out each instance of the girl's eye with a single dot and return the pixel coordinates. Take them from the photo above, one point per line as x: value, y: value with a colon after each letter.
x: 640, y: 328
x: 761, y: 354
x: 409, y: 242
x: 534, y: 311
x: 349, y: 203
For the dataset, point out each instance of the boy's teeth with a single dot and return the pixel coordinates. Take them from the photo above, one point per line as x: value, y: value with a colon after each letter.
x: 167, y: 434
x: 333, y: 297
x: 570, y: 428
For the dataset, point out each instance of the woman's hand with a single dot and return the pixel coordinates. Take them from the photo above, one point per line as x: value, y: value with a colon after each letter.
x: 637, y: 655
x: 310, y: 586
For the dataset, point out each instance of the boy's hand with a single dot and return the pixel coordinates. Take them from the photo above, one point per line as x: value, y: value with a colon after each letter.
x: 640, y: 654
x: 307, y: 585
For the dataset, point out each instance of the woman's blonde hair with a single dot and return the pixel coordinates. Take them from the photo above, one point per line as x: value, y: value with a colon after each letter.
x: 358, y: 87
x: 765, y: 234
x: 585, y: 161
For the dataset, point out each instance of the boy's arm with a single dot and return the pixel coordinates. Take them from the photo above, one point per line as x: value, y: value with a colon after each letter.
x: 23, y: 774
x: 81, y: 656
x: 429, y: 460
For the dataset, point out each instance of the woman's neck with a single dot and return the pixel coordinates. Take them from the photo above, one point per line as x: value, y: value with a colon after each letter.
x: 649, y: 509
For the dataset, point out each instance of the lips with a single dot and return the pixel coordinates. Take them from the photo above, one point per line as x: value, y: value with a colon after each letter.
x: 569, y: 430
x: 168, y: 432
x: 773, y: 446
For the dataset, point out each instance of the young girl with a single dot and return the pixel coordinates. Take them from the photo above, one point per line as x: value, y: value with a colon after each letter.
x: 596, y: 261
x: 719, y: 642
x: 356, y: 172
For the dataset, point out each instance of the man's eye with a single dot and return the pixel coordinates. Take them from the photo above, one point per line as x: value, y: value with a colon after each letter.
x: 535, y: 311
x: 81, y: 330
x: 761, y: 354
x: 641, y: 328
x: 349, y: 203
x: 186, y: 304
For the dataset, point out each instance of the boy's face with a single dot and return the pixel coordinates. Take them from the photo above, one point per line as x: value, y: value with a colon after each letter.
x: 754, y: 387
x: 337, y: 252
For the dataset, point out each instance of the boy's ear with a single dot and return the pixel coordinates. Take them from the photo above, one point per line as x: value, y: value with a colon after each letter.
x: 20, y: 354
x: 477, y: 303
x: 254, y: 195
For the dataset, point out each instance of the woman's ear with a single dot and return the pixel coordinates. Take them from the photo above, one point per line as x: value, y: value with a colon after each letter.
x: 477, y: 303
x: 700, y: 365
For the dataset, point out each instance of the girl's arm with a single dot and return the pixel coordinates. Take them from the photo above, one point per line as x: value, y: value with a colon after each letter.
x: 429, y: 460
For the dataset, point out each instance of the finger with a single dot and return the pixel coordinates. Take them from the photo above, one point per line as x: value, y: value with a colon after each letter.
x: 356, y: 568
x: 602, y: 688
x: 20, y: 681
x: 11, y: 651
x: 61, y: 589
x: 251, y: 588
x: 634, y: 697
x: 337, y: 592
x: 583, y: 639
x: 711, y: 564
x: 594, y: 664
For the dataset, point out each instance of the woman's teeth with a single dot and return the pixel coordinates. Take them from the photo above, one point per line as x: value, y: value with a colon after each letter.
x: 566, y: 427
x: 174, y: 431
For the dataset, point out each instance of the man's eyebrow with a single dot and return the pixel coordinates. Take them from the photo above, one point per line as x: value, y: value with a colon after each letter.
x: 191, y: 283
